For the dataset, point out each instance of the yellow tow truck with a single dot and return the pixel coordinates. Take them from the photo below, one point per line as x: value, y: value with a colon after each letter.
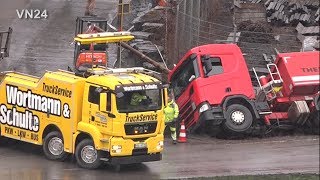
x: 90, y: 117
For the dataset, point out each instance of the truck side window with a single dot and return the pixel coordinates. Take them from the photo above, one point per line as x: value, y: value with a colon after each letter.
x: 94, y: 96
x: 216, y: 66
x: 108, y: 101
x: 181, y: 79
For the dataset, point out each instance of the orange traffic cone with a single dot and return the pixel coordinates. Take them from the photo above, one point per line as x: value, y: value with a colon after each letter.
x: 182, y: 134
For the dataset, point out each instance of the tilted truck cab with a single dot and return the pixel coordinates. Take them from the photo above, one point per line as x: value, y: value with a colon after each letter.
x: 213, y: 88
x: 90, y: 117
x: 205, y: 77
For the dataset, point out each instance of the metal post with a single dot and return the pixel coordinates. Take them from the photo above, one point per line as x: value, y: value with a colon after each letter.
x: 234, y: 23
x: 177, y: 37
x: 197, y: 15
x: 120, y: 23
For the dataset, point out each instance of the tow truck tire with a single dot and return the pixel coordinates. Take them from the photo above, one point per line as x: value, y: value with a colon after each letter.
x: 3, y: 140
x: 53, y: 147
x: 87, y: 156
x: 238, y: 118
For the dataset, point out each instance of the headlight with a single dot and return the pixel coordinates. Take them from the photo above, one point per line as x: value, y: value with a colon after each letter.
x: 193, y: 105
x: 203, y: 108
x: 160, y: 145
x: 116, y: 147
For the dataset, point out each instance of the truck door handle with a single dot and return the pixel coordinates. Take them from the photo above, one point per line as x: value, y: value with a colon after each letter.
x: 228, y: 89
x: 191, y: 91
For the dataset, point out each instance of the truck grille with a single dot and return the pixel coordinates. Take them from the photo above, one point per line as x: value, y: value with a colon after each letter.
x: 140, y: 128
x: 186, y: 113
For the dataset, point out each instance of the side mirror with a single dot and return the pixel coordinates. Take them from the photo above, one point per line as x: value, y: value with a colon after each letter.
x: 103, y: 105
x: 207, y: 65
x: 99, y: 90
x: 192, y: 78
x: 120, y: 95
x: 103, y: 102
x: 165, y: 86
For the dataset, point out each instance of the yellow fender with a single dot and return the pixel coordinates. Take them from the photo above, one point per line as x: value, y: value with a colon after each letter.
x: 93, y: 131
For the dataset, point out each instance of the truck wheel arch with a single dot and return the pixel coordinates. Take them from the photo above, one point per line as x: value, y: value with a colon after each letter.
x: 92, y: 131
x: 240, y: 99
x: 50, y: 128
x: 81, y: 136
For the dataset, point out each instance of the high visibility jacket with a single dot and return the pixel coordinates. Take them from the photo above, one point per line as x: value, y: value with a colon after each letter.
x: 171, y: 111
x: 136, y: 99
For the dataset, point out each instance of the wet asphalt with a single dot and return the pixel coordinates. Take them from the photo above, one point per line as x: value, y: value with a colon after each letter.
x: 45, y: 44
x: 201, y: 156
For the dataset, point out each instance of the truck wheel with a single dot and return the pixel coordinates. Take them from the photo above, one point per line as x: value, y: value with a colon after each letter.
x: 87, y: 156
x: 53, y: 146
x: 315, y: 119
x: 3, y: 140
x: 238, y: 118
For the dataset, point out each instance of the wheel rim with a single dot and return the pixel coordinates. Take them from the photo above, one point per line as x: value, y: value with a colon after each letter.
x: 237, y: 117
x: 55, y: 146
x: 89, y: 154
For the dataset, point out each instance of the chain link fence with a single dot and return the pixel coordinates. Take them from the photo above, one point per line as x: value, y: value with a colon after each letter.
x: 200, y: 22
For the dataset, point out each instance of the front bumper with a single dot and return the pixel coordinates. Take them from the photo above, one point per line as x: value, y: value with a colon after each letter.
x: 214, y: 114
x: 135, y: 159
x: 128, y: 146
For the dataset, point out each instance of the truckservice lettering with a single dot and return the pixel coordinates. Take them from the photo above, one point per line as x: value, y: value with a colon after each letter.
x: 53, y: 89
x: 139, y: 118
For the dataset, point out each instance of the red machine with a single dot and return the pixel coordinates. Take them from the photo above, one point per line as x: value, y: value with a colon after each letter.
x: 88, y: 55
x: 212, y: 87
x: 292, y: 87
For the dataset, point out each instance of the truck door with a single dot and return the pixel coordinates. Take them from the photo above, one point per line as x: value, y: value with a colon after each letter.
x: 182, y: 80
x: 216, y: 78
x: 181, y: 83
x: 97, y: 117
x: 94, y: 100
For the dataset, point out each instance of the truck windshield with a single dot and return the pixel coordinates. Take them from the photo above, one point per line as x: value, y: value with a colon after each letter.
x: 184, y: 76
x: 139, y: 101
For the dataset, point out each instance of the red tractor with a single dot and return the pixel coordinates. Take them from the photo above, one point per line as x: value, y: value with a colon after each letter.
x: 213, y: 88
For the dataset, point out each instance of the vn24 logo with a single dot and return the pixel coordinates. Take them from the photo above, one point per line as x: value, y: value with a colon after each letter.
x: 32, y: 14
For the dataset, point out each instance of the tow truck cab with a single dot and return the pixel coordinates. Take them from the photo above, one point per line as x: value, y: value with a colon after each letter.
x: 134, y: 133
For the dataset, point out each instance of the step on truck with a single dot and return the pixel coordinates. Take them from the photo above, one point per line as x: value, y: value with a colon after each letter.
x: 90, y: 117
x: 213, y: 88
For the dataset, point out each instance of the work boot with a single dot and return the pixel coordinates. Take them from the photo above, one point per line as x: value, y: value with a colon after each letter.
x: 174, y: 141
